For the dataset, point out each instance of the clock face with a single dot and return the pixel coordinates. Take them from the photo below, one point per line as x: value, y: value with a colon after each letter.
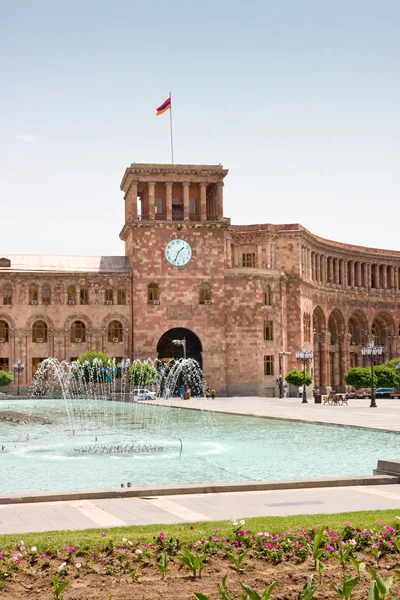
x: 178, y: 253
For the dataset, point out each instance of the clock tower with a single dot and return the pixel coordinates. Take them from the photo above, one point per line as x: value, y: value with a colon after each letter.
x: 175, y: 239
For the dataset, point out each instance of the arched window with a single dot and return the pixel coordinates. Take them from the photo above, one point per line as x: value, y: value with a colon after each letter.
x: 33, y: 294
x: 109, y: 295
x: 83, y: 296
x: 204, y: 294
x: 121, y: 295
x: 153, y: 293
x: 46, y: 294
x: 4, y: 331
x: 267, y: 295
x: 39, y: 332
x: 115, y: 332
x: 71, y: 294
x: 78, y: 332
x: 7, y: 294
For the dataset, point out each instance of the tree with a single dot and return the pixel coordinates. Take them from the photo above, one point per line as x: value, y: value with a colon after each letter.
x: 359, y: 377
x: 94, y: 366
x: 386, y: 376
x: 143, y: 374
x: 392, y: 363
x: 6, y: 378
x: 296, y: 377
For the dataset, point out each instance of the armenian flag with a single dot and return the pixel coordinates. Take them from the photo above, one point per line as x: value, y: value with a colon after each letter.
x: 164, y: 107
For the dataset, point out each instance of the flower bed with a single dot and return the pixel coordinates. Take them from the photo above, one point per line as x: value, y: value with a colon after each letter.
x: 307, y: 563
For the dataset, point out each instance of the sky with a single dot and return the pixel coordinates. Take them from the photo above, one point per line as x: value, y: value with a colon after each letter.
x: 299, y: 99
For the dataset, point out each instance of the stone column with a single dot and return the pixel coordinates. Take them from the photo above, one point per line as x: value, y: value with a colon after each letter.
x: 131, y: 201
x: 324, y: 269
x: 384, y: 278
x: 336, y: 270
x: 203, y: 201
x: 330, y: 267
x: 168, y: 200
x: 392, y: 284
x: 359, y: 280
x: 220, y: 200
x: 312, y: 266
x: 236, y: 256
x: 368, y: 277
x: 377, y: 278
x: 396, y: 279
x: 185, y: 186
x: 259, y: 256
x: 228, y: 254
x: 324, y: 360
x: 343, y: 271
x: 352, y: 273
x: 268, y: 254
x: 151, y: 200
x: 318, y: 273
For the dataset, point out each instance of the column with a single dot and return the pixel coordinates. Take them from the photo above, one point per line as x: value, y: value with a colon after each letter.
x: 368, y: 277
x: 392, y: 283
x: 344, y: 273
x: 236, y: 262
x: 330, y: 269
x: 318, y: 268
x: 359, y: 280
x: 352, y: 274
x: 259, y: 256
x: 151, y: 200
x: 384, y: 278
x: 203, y: 201
x: 324, y: 360
x: 324, y: 276
x: 185, y: 186
x: 220, y: 200
x: 396, y: 279
x: 131, y: 201
x: 377, y: 278
x: 168, y: 200
x: 268, y: 255
x: 336, y: 263
x: 308, y: 263
x: 228, y: 255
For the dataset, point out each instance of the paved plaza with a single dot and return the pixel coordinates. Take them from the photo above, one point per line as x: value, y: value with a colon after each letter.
x: 112, y: 512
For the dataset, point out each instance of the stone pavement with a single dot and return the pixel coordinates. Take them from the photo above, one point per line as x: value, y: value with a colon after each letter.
x: 357, y: 414
x: 82, y: 514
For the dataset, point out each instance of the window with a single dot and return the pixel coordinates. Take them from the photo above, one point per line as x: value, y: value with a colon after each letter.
x: 78, y: 332
x: 193, y: 206
x: 4, y: 364
x: 267, y: 295
x: 268, y: 336
x: 204, y: 293
x: 39, y: 332
x: 33, y: 294
x: 153, y: 293
x: 109, y: 295
x: 7, y: 294
x: 46, y: 294
x: 115, y: 332
x: 4, y: 331
x: 71, y: 294
x: 121, y: 295
x: 159, y: 206
x: 249, y: 259
x: 83, y: 296
x: 35, y: 364
x: 268, y: 365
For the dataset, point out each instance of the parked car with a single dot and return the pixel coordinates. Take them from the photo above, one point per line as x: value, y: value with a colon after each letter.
x: 383, y: 392
x: 363, y: 393
x: 143, y: 394
x: 395, y: 393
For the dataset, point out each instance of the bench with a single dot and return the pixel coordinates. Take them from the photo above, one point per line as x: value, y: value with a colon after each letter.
x: 335, y: 399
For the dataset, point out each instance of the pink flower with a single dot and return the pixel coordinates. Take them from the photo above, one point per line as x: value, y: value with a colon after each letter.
x: 269, y: 546
x: 16, y: 559
x: 71, y: 549
x: 216, y: 530
x: 162, y: 537
x: 240, y: 532
x: 379, y: 521
x: 1, y: 555
x: 347, y: 524
x: 103, y: 534
x: 121, y: 550
x: 248, y: 532
x: 22, y: 548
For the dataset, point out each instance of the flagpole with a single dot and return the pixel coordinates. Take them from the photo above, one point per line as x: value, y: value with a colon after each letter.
x: 170, y: 125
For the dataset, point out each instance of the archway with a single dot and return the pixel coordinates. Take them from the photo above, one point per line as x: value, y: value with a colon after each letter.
x: 166, y: 349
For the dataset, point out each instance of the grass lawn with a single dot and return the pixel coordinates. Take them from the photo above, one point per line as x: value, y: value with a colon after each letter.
x: 145, y: 534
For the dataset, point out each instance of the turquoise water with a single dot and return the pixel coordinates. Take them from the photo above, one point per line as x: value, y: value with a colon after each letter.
x: 215, y: 447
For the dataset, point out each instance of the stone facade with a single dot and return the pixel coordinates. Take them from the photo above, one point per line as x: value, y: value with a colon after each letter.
x: 246, y: 294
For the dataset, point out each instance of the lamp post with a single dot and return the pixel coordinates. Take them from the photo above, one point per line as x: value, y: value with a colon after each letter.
x: 19, y: 366
x: 304, y: 357
x: 280, y: 378
x: 182, y: 343
x: 371, y: 352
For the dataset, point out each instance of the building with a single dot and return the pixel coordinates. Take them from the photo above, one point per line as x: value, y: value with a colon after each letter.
x: 239, y: 295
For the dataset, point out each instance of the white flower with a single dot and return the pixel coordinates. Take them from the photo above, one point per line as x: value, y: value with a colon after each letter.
x: 22, y: 542
x: 60, y: 568
x: 33, y: 549
x: 235, y: 523
x: 78, y: 565
x: 352, y: 542
x: 130, y: 543
x: 139, y: 551
x: 242, y: 522
x: 124, y: 540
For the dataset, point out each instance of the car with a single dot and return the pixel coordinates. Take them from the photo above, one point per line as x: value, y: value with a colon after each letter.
x: 395, y: 393
x: 383, y: 392
x: 143, y: 394
x: 363, y: 393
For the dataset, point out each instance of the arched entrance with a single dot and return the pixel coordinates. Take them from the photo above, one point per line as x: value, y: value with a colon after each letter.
x: 166, y: 349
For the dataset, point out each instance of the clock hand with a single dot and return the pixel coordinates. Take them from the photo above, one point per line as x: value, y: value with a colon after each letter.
x: 176, y: 257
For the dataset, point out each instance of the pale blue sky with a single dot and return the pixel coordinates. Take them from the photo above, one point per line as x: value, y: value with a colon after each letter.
x: 299, y: 99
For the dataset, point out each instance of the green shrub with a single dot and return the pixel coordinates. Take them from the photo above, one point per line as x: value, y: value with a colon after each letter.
x: 296, y: 377
x: 6, y: 378
x: 88, y: 359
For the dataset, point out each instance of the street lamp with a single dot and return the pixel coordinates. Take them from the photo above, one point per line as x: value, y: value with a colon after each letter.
x: 19, y: 366
x: 280, y: 378
x: 304, y: 357
x: 371, y: 352
x: 181, y: 343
